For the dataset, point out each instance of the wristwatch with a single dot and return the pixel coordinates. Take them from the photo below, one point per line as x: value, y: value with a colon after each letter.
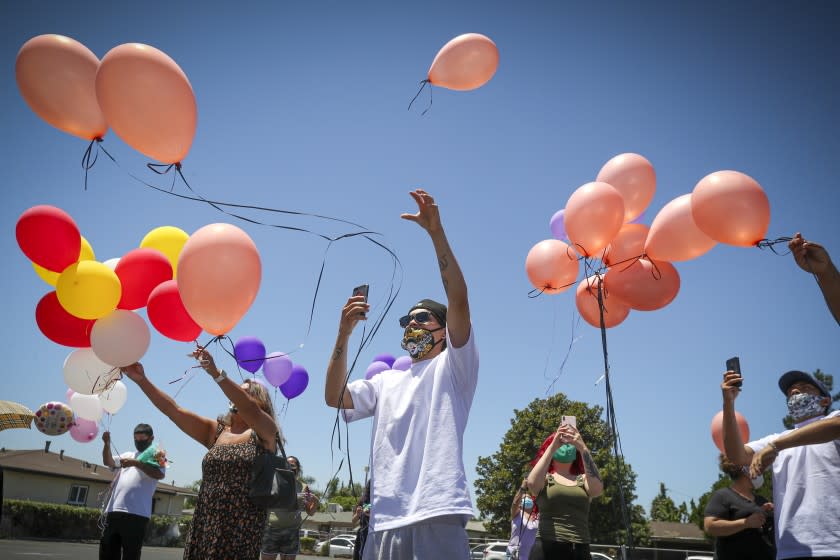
x: 222, y: 376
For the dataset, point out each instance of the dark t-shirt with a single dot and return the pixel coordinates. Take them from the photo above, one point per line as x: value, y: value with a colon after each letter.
x: 749, y: 544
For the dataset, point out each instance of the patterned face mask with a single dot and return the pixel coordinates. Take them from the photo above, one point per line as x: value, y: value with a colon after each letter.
x: 804, y: 405
x: 527, y: 503
x: 418, y: 342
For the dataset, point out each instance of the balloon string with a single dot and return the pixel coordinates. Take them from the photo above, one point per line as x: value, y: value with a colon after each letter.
x: 87, y: 162
x: 423, y: 85
x: 770, y: 244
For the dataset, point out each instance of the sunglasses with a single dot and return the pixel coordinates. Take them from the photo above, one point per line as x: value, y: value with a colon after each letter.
x: 420, y: 317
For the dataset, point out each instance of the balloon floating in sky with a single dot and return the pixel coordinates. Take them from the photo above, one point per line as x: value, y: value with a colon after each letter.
x: 466, y: 62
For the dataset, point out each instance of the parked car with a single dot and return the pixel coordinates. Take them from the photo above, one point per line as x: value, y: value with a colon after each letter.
x: 699, y: 557
x: 477, y: 552
x: 340, y: 547
x: 495, y: 551
x: 599, y: 556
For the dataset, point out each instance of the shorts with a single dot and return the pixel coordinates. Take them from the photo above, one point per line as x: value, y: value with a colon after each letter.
x: 280, y: 540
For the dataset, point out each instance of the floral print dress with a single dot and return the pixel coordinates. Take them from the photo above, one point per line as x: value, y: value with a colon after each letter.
x: 226, y: 525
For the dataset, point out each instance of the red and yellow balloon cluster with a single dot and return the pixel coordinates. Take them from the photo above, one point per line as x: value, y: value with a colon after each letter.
x: 599, y: 221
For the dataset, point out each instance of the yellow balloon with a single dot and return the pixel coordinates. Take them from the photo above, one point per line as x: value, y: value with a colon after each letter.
x: 169, y: 240
x: 50, y: 277
x: 88, y: 290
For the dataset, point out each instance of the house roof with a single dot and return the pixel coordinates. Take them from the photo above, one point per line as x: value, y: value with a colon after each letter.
x: 63, y: 466
x: 669, y: 530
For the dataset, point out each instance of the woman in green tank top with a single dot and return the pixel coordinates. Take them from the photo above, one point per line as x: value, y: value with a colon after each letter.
x: 564, y: 479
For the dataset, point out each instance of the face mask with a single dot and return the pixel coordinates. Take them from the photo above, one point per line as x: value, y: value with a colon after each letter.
x: 527, y: 503
x: 142, y: 445
x: 758, y: 481
x: 804, y: 405
x: 418, y: 342
x: 566, y: 453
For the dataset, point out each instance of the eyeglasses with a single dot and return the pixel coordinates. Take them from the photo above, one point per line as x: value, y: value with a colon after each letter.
x: 420, y: 317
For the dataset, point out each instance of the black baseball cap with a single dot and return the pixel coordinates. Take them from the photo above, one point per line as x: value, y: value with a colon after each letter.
x: 795, y: 376
x: 436, y: 308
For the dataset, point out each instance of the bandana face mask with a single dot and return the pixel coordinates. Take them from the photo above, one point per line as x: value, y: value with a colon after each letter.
x: 527, y: 503
x: 804, y: 405
x: 142, y: 444
x: 418, y: 342
x: 566, y: 453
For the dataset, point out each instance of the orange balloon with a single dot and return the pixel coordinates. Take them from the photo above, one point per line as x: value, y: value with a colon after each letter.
x: 148, y: 101
x: 594, y: 215
x: 731, y: 207
x: 629, y: 243
x: 717, y: 429
x: 466, y: 62
x: 551, y: 266
x: 586, y: 299
x: 219, y: 272
x: 56, y: 77
x: 673, y: 234
x: 641, y: 286
x: 633, y: 176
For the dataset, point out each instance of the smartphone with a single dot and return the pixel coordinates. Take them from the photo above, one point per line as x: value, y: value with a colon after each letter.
x: 361, y: 291
x: 734, y: 364
x: 570, y: 420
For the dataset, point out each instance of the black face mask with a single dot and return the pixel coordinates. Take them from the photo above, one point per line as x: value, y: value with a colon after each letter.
x: 142, y: 445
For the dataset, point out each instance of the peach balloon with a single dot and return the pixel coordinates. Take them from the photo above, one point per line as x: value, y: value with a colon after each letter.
x: 731, y: 207
x: 586, y: 299
x: 56, y: 76
x: 717, y: 429
x: 633, y: 176
x: 594, y: 215
x: 551, y: 266
x: 641, y: 286
x: 673, y: 234
x: 219, y: 272
x: 466, y: 62
x: 148, y: 101
x: 628, y: 244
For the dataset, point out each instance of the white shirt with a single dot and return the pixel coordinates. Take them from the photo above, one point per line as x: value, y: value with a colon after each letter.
x: 806, y: 496
x: 133, y: 489
x: 417, y: 438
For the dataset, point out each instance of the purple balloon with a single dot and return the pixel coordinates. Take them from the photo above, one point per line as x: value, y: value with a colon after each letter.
x: 83, y: 430
x: 296, y: 383
x: 250, y: 353
x: 402, y: 363
x: 277, y: 368
x: 638, y: 219
x: 387, y: 358
x: 558, y: 230
x: 376, y: 368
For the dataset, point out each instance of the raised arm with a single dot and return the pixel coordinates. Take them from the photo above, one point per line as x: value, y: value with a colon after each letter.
x: 107, y: 458
x: 536, y: 478
x: 592, y: 478
x: 812, y: 257
x: 354, y: 311
x: 736, y: 451
x: 821, y: 431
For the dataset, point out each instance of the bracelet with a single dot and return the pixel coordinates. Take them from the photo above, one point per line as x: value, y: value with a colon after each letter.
x: 222, y: 376
x: 772, y: 446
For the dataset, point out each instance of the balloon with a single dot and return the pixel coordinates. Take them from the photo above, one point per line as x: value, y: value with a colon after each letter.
x: 673, y: 234
x: 112, y: 263
x: 51, y: 278
x: 88, y: 290
x: 556, y: 225
x: 717, y: 429
x: 586, y: 299
x: 552, y: 266
x: 296, y: 384
x: 148, y: 101
x: 53, y: 418
x: 49, y: 237
x: 59, y: 326
x: 628, y: 244
x: 114, y: 397
x: 219, y: 276
x: 375, y: 369
x: 140, y: 271
x: 277, y: 368
x: 387, y: 358
x: 633, y: 176
x: 168, y: 315
x: 87, y: 406
x: 594, y: 215
x: 56, y: 76
x: 85, y: 373
x: 84, y: 430
x: 169, y: 240
x: 640, y: 285
x: 249, y: 352
x: 403, y: 363
x: 638, y: 219
x: 466, y: 62
x: 731, y: 207
x: 70, y: 393
x: 120, y: 338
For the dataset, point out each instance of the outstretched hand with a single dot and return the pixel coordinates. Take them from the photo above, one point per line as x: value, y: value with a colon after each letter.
x: 762, y: 460
x: 205, y: 360
x: 428, y: 214
x: 811, y: 257
x: 135, y: 372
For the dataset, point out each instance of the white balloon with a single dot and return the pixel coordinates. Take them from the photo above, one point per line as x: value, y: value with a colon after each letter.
x: 85, y: 373
x: 112, y: 263
x: 114, y: 397
x: 87, y: 406
x: 120, y: 338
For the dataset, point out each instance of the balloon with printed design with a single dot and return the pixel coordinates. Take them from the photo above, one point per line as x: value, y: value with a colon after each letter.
x: 53, y: 418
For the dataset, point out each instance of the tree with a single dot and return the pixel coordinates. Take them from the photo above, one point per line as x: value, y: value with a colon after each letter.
x: 189, y: 503
x: 663, y: 508
x: 501, y: 474
x: 828, y: 381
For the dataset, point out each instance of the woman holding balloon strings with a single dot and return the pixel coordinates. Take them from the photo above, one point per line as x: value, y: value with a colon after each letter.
x: 225, y: 524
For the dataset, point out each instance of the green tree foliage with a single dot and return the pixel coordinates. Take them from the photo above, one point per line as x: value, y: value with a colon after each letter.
x: 663, y: 508
x: 500, y: 475
x: 189, y: 503
x: 828, y: 381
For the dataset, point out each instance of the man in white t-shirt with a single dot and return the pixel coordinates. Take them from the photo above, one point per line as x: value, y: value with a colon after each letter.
x: 420, y: 502
x: 130, y: 506
x: 806, y: 465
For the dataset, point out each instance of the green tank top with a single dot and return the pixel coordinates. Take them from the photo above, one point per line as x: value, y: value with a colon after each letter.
x: 564, y: 512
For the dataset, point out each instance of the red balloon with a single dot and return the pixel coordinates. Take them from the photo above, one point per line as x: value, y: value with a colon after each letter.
x: 641, y: 286
x: 717, y: 429
x: 140, y: 271
x: 168, y: 315
x: 49, y: 237
x: 61, y: 327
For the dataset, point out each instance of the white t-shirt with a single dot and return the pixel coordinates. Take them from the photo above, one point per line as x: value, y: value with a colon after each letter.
x: 133, y: 489
x: 417, y: 438
x: 806, y: 496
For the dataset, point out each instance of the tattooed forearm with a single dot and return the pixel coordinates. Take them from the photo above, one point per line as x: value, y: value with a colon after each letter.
x: 443, y: 262
x: 591, y: 469
x: 339, y: 350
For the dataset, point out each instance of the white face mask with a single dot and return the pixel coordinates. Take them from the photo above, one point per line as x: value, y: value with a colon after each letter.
x: 758, y: 481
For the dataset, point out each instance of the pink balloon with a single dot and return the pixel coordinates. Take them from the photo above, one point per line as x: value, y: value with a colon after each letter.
x: 633, y: 176
x: 643, y: 286
x: 69, y: 393
x: 731, y: 207
x: 83, y: 430
x: 466, y: 62
x: 586, y: 299
x: 717, y: 429
x: 594, y: 215
x: 628, y: 244
x: 673, y: 234
x: 552, y: 266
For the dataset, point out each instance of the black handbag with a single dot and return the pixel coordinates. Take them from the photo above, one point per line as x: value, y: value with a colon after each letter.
x: 273, y: 484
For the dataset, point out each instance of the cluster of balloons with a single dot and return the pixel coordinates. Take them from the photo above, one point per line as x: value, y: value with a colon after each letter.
x: 56, y: 418
x: 387, y: 362
x: 136, y: 90
x: 466, y: 62
x: 599, y: 221
x: 278, y: 368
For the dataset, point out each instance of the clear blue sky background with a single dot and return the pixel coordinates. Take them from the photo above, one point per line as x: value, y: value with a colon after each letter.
x: 303, y: 106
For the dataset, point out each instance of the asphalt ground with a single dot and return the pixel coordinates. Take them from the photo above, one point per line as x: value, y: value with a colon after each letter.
x: 13, y: 549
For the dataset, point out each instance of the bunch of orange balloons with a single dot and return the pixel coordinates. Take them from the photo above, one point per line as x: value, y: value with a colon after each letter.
x: 599, y: 222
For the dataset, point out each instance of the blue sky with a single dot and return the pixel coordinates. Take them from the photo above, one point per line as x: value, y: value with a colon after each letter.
x: 302, y: 106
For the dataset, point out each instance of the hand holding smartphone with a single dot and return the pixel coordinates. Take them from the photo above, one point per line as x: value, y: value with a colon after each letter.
x: 734, y: 364
x: 569, y: 420
x: 361, y: 291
